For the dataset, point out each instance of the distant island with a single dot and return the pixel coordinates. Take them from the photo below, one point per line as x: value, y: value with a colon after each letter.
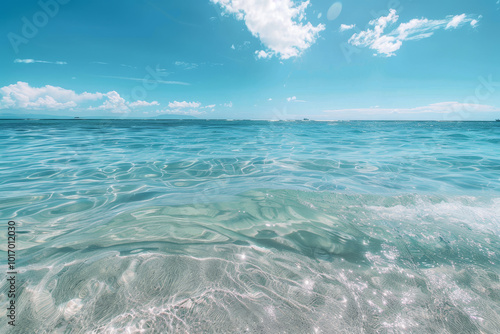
x: 45, y: 116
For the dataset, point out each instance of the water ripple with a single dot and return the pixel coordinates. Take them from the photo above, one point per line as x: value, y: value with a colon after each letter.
x: 259, y: 227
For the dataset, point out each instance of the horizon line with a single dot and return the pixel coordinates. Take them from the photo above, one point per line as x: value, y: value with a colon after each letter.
x: 243, y: 119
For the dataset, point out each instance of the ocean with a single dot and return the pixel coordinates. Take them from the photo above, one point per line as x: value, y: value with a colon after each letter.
x: 218, y: 226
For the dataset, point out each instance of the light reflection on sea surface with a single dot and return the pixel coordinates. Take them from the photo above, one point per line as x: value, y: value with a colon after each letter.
x: 258, y: 227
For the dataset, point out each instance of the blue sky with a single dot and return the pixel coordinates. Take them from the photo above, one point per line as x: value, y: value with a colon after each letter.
x: 252, y: 59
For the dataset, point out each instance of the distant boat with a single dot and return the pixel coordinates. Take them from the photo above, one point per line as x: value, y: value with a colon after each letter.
x: 498, y: 120
x: 77, y: 118
x: 306, y: 119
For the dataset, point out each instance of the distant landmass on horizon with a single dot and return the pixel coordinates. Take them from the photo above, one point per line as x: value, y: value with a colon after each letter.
x: 44, y: 116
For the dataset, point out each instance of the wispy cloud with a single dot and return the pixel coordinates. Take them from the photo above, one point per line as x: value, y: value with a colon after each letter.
x: 183, y: 104
x: 294, y: 99
x: 386, y: 44
x: 33, y: 61
x: 128, y: 66
x: 146, y: 80
x: 190, y: 112
x: 456, y: 21
x: 279, y: 25
x: 186, y: 66
x: 438, y: 108
x: 245, y: 45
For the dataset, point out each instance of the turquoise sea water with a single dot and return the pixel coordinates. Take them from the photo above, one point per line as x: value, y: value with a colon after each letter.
x: 252, y: 227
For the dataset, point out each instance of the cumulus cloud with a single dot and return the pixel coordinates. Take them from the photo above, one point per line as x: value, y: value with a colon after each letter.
x: 279, y: 24
x: 32, y: 61
x: 21, y: 96
x: 386, y: 44
x: 344, y: 27
x: 114, y: 103
x: 117, y: 104
x: 186, y: 108
x: 261, y: 54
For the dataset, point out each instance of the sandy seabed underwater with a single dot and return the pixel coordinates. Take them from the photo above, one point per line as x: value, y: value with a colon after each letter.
x: 196, y: 226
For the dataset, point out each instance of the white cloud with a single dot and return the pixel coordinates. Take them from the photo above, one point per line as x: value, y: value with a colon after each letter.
x: 21, y: 96
x: 191, y: 112
x: 344, y: 27
x: 438, y: 108
x: 387, y: 44
x: 117, y: 104
x: 32, y: 61
x: 263, y: 54
x: 278, y: 24
x: 183, y: 104
x: 244, y: 46
x: 294, y: 99
x: 474, y: 23
x: 229, y: 104
x: 186, y: 66
x: 140, y: 103
x: 187, y: 108
x: 455, y: 21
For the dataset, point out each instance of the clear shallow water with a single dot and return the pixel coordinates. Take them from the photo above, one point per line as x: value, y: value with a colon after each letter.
x: 258, y: 227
